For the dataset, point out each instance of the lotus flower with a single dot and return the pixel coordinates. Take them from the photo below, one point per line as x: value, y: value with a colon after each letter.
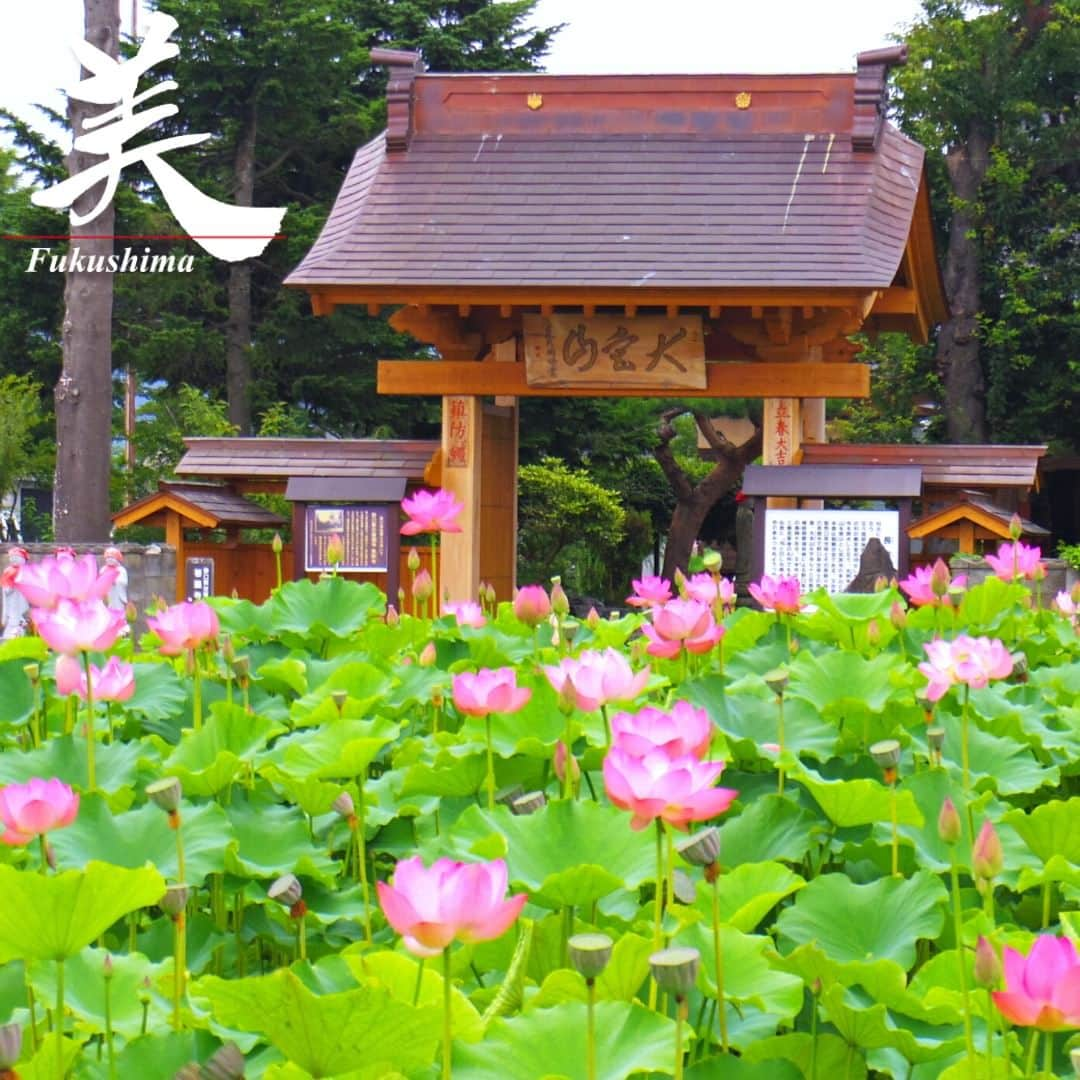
x: 1017, y: 560
x: 489, y: 691
x: 711, y: 591
x: 678, y: 790
x: 1042, y: 989
x: 36, y: 807
x: 681, y: 624
x: 78, y: 625
x: 532, y: 605
x: 69, y: 675
x: 929, y: 585
x: 184, y: 626
x: 432, y: 906
x: 46, y: 583
x: 594, y: 679
x: 682, y: 730
x: 431, y: 512
x: 973, y: 661
x: 777, y: 594
x: 650, y: 591
x: 114, y: 682
x: 468, y: 613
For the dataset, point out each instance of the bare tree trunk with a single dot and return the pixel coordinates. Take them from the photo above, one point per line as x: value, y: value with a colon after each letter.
x: 238, y: 328
x: 693, y: 502
x: 958, y: 341
x: 83, y: 394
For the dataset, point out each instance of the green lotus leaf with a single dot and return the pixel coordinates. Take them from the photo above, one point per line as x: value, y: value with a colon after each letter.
x: 630, y: 1040
x: 274, y: 840
x: 156, y: 1054
x: 341, y: 748
x: 44, y: 1065
x: 325, y: 1034
x: 24, y: 649
x: 64, y: 756
x: 143, y: 835
x: 833, y: 1058
x: 729, y: 1067
x: 568, y: 853
x: 313, y: 796
x: 15, y: 691
x: 365, y: 686
x: 1052, y: 829
x: 844, y: 618
x: 863, y: 923
x: 984, y: 607
x: 748, y: 893
x: 837, y: 681
x: 284, y: 674
x: 331, y: 607
x: 771, y: 827
x: 84, y: 990
x: 242, y: 619
x: 416, y: 685
x: 454, y: 771
x: 208, y: 760
x: 52, y: 917
x: 847, y: 803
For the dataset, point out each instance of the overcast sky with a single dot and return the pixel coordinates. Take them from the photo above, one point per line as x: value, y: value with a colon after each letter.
x: 601, y: 36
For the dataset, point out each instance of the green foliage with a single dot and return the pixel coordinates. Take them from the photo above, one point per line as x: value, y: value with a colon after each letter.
x: 1070, y: 553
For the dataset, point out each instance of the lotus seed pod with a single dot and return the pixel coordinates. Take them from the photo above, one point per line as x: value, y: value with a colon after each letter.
x: 777, y: 680
x: 165, y: 793
x: 226, y: 1063
x: 886, y: 753
x: 344, y: 805
x: 683, y: 888
x: 712, y: 560
x: 241, y: 667
x: 935, y: 739
x: 11, y: 1038
x: 190, y: 1071
x: 987, y: 964
x: 701, y: 848
x: 175, y: 900
x: 1020, y: 665
x: 675, y: 970
x: 528, y: 803
x: 948, y: 823
x: 589, y: 953
x: 570, y: 628
x: 228, y: 653
x: 506, y: 796
x: 286, y: 890
x: 339, y: 697
x: 33, y: 673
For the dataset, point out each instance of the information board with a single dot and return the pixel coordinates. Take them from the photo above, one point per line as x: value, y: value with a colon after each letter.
x: 822, y: 548
x: 361, y: 532
x: 198, y: 578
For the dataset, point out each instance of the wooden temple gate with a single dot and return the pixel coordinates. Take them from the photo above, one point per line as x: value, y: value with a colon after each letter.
x: 703, y: 236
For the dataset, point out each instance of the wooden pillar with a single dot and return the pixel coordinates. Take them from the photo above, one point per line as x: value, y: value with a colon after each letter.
x: 813, y: 431
x: 462, y: 431
x: 174, y: 537
x: 781, y: 439
x: 498, y: 502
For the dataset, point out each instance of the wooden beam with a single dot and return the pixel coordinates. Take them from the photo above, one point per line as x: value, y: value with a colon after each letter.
x: 725, y: 380
x: 673, y: 311
x: 714, y: 311
x: 895, y: 301
x: 588, y: 310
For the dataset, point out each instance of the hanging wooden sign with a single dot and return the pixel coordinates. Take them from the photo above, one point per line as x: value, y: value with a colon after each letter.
x: 612, y: 352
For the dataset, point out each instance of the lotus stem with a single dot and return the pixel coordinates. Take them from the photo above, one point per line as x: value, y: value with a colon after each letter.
x: 491, y: 764
x: 174, y: 824
x: 812, y: 1075
x: 179, y: 965
x: 30, y: 1004
x: 959, y: 930
x: 568, y: 768
x: 1046, y: 896
x: 436, y: 599
x: 238, y: 933
x: 91, y: 773
x: 590, y: 1031
x: 359, y: 831
x: 1033, y: 1045
x: 60, y: 1019
x: 196, y: 702
x: 780, y: 739
x: 43, y: 847
x: 681, y: 1010
x: 301, y: 937
x: 108, y: 1024
x: 607, y: 727
x: 990, y: 1034
x: 447, y: 1048
x: 964, y: 764
x: 718, y: 955
x: 419, y: 982
x: 657, y: 915
x: 895, y: 836
x: 1048, y: 1054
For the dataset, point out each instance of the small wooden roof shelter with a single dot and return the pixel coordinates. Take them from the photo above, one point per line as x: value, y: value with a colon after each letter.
x: 972, y: 520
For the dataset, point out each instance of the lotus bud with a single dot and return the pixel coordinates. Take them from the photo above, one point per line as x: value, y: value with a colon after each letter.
x: 226, y: 1063
x: 481, y: 593
x: 873, y: 633
x: 589, y: 953
x: 560, y: 763
x: 987, y: 964
x: 428, y: 655
x: 412, y: 560
x: 940, y: 578
x: 948, y: 823
x: 286, y: 890
x: 886, y: 753
x: 422, y: 587
x: 592, y: 620
x: 528, y: 803
x: 559, y: 602
x: 532, y: 605
x: 675, y: 970
x: 680, y: 582
x: 881, y: 583
x: 175, y: 900
x: 335, y: 550
x: 107, y: 966
x: 506, y: 796
x: 392, y: 616
x: 987, y: 855
x: 33, y: 673
x: 491, y: 596
x: 701, y: 848
x: 401, y: 598
x: 165, y: 794
x: 777, y: 680
x: 11, y: 1038
x: 339, y: 697
x: 898, y: 615
x: 1016, y: 527
x: 277, y: 545
x: 344, y: 805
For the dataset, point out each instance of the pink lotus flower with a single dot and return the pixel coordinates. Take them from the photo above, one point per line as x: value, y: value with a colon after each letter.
x: 114, y: 682
x: 777, y: 594
x: 711, y: 591
x: 78, y: 625
x: 1017, y: 560
x: 681, y: 624
x: 596, y: 678
x: 46, y: 583
x: 489, y: 691
x: 682, y: 730
x: 1042, y: 989
x: 431, y: 512
x: 558, y: 763
x: 532, y: 605
x: 432, y: 906
x: 678, y: 790
x: 929, y: 585
x: 468, y: 613
x: 650, y: 591
x: 36, y: 807
x: 184, y: 626
x: 69, y: 675
x: 973, y: 661
x: 1065, y: 603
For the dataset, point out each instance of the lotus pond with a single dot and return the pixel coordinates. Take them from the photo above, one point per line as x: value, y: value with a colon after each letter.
x: 321, y: 839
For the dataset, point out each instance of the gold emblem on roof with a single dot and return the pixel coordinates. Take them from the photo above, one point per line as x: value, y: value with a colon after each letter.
x: 534, y: 101
x: 742, y: 100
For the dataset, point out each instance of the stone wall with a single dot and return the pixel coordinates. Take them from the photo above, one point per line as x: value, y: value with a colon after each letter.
x: 151, y: 570
x: 978, y: 569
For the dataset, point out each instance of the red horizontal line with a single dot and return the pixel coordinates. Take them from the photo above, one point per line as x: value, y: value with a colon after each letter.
x: 136, y: 236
